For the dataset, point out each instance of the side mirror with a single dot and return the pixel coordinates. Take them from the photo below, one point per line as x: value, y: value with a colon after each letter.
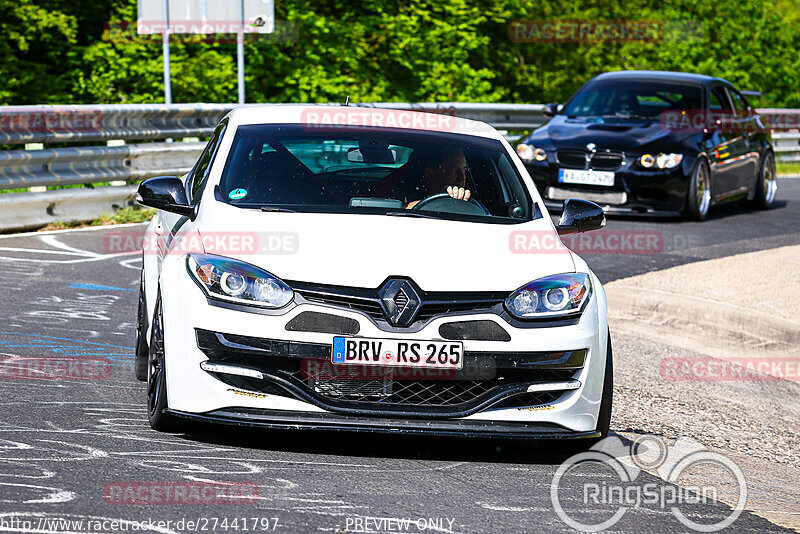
x: 551, y: 110
x: 580, y: 216
x: 165, y: 193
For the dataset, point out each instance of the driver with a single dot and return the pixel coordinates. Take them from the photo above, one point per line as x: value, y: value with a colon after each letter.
x: 448, y: 174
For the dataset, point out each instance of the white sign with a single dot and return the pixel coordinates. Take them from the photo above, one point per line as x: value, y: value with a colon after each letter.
x: 206, y: 16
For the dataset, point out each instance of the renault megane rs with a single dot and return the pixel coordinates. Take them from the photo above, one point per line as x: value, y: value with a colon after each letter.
x: 352, y: 268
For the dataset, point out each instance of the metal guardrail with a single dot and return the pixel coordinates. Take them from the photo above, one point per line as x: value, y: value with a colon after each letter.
x: 63, y: 124
x: 157, y: 122
x: 787, y: 146
x: 85, y: 165
x: 87, y: 123
x: 72, y: 124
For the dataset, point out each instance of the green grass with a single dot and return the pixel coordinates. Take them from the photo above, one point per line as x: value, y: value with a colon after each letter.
x: 786, y: 167
x: 134, y: 214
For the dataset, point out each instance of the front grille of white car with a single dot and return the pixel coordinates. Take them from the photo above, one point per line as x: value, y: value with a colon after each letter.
x: 433, y: 304
x: 487, y: 378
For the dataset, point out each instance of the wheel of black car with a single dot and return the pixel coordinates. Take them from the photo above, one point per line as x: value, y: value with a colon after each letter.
x: 607, y: 399
x: 141, y: 337
x: 157, y: 378
x: 699, y: 198
x: 766, y: 185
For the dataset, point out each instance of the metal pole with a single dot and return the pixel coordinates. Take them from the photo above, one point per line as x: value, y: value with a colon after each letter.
x: 240, y: 51
x: 165, y: 46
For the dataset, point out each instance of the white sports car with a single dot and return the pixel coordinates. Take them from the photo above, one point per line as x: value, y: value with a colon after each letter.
x: 353, y: 268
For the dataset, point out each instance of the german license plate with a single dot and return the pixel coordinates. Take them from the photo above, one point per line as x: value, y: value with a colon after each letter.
x: 398, y: 352
x: 574, y: 176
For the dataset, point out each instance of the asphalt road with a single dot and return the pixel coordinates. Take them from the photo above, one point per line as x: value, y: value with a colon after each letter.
x: 64, y: 444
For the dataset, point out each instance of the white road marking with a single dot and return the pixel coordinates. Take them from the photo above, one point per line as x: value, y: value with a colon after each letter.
x: 72, y: 230
x: 54, y: 242
x: 57, y: 495
x: 62, y: 249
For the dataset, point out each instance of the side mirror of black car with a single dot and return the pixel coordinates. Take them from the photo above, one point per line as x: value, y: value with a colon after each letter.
x: 164, y: 193
x: 580, y: 216
x: 551, y: 110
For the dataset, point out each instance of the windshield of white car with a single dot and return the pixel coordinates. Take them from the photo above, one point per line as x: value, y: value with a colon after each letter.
x: 626, y: 99
x: 384, y: 171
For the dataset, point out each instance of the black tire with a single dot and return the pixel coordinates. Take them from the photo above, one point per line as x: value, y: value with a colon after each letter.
x: 157, y: 378
x: 698, y: 197
x: 607, y: 399
x: 140, y: 367
x: 766, y: 184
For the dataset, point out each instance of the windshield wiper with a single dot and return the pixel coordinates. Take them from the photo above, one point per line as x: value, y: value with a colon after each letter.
x: 627, y: 117
x: 409, y: 213
x: 278, y: 209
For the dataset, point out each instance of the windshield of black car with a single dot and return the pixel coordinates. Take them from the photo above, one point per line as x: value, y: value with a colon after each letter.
x: 389, y: 171
x: 633, y: 99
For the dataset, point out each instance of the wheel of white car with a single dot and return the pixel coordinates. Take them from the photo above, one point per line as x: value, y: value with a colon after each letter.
x: 141, y: 334
x: 157, y: 378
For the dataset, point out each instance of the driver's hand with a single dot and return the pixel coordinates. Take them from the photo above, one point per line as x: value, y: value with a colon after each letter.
x: 458, y: 192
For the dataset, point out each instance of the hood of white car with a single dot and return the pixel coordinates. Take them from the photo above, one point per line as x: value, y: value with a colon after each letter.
x: 360, y: 250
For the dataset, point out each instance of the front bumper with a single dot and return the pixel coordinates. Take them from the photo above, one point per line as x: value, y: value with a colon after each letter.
x: 635, y: 191
x: 286, y: 420
x: 195, y: 393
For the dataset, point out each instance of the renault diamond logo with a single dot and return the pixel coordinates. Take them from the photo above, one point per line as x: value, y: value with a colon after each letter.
x: 400, y: 301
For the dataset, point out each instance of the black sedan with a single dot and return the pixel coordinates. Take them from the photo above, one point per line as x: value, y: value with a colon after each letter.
x: 653, y: 143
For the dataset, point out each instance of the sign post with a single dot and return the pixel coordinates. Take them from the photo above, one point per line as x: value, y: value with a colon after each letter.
x: 165, y: 53
x: 240, y: 51
x: 205, y: 17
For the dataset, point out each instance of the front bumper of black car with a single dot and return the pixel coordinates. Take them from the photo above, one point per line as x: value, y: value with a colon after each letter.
x: 645, y: 192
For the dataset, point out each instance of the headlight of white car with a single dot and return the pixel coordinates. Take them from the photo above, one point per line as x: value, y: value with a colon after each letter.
x: 237, y: 281
x: 552, y: 296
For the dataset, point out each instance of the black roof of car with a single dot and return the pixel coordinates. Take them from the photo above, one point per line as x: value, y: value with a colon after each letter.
x: 659, y: 75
